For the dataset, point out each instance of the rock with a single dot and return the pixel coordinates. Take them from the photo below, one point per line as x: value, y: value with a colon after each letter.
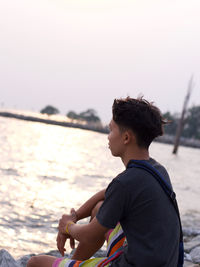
x: 190, y: 232
x: 190, y: 264
x: 195, y: 255
x: 6, y: 260
x: 23, y: 261
x: 187, y: 257
x: 54, y: 253
x: 100, y: 253
x: 194, y: 242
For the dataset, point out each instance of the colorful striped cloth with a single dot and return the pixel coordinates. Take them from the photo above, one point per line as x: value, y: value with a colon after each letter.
x: 115, y: 244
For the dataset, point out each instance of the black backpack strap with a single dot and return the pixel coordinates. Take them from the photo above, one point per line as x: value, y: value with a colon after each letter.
x: 168, y: 190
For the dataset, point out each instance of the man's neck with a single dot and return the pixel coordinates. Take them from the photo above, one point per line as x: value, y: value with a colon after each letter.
x: 137, y: 154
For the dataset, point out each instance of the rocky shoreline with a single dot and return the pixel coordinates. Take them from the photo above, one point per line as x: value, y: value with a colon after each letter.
x: 191, y: 247
x: 191, y: 254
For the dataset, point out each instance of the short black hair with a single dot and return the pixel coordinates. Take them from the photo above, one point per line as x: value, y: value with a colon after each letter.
x: 139, y: 115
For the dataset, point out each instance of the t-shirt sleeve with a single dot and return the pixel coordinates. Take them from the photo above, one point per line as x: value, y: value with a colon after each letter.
x: 113, y: 207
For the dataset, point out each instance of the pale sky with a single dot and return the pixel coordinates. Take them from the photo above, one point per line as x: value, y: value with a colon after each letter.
x: 79, y: 54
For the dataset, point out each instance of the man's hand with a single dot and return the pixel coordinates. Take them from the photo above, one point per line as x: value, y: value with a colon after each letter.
x: 61, y: 239
x: 65, y: 218
x: 62, y: 236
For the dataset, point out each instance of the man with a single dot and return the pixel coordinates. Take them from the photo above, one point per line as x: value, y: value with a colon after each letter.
x: 134, y: 205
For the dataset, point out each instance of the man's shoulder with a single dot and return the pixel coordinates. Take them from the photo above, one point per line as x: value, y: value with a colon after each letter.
x: 161, y: 169
x: 130, y: 177
x: 134, y: 175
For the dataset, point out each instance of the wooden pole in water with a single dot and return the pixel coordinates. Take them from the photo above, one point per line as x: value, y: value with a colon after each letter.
x: 181, y: 121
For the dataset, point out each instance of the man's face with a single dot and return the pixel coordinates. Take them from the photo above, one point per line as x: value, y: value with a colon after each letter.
x: 115, y: 138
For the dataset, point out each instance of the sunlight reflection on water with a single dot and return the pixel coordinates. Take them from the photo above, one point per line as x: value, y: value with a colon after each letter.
x: 46, y: 170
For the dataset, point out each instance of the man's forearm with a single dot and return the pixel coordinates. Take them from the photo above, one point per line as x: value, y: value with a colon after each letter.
x: 91, y: 235
x: 87, y: 233
x: 85, y: 210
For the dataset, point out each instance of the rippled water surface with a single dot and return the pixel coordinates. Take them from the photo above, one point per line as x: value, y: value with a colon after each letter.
x: 45, y: 170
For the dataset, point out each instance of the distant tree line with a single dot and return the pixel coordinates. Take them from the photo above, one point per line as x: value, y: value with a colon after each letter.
x: 191, y: 123
x: 49, y: 110
x: 89, y: 116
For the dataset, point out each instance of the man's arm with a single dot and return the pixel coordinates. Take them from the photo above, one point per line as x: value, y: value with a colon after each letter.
x: 91, y: 236
x: 86, y: 209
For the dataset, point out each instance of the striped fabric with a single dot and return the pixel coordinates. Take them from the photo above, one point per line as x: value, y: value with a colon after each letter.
x: 115, y: 244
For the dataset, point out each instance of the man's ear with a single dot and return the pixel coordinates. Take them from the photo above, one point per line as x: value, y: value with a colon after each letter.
x: 129, y: 137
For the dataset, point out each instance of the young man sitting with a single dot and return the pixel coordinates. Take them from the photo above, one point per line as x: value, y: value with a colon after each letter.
x: 133, y: 214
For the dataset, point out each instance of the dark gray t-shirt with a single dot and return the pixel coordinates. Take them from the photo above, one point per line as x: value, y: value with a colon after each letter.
x: 136, y: 200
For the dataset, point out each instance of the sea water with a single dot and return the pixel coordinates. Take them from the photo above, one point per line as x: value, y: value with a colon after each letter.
x: 46, y: 170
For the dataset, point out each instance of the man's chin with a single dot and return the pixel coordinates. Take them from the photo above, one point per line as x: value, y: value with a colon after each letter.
x: 115, y: 154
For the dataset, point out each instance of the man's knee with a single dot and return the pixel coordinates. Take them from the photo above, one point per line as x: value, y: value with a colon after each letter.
x: 32, y: 262
x: 96, y: 208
